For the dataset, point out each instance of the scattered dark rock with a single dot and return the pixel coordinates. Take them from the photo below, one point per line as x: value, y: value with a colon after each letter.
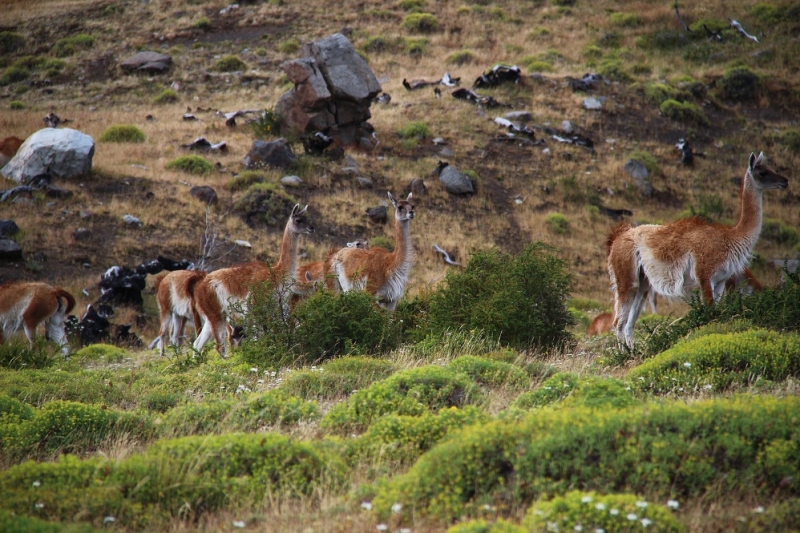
x: 378, y: 214
x: 124, y: 337
x: 152, y: 62
x: 82, y: 234
x: 9, y: 250
x: 205, y: 194
x: 8, y: 228
x: 276, y: 153
x: 203, y: 145
x: 497, y: 75
x: 454, y: 181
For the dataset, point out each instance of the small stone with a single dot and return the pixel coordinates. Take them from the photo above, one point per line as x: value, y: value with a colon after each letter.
x: 291, y: 181
x: 446, y: 152
x: 567, y: 127
x: 547, y: 152
x: 438, y: 141
x: 9, y: 250
x: 519, y: 116
x: 243, y: 244
x: 85, y: 214
x: 82, y: 234
x: 131, y: 220
x: 365, y: 183
x: 592, y: 103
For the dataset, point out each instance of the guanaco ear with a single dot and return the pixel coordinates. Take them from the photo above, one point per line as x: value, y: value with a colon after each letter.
x: 409, y: 197
x: 752, y: 160
x: 303, y: 212
x: 308, y: 275
x: 294, y: 210
x: 760, y: 159
x: 391, y: 198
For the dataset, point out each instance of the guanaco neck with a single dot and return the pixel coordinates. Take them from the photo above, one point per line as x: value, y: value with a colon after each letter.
x: 748, y: 227
x: 403, y: 250
x: 287, y: 261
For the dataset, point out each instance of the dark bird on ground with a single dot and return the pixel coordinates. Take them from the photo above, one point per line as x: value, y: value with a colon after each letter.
x: 52, y: 120
x: 499, y: 74
x: 584, y: 84
x: 713, y: 35
x: 687, y: 153
x: 470, y: 96
x: 413, y: 85
x: 384, y: 98
x: 615, y: 214
x: 449, y: 81
x: 445, y: 256
x: 438, y: 92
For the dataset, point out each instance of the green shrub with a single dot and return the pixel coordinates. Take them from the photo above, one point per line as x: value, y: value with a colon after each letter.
x: 267, y: 124
x: 411, y: 5
x: 191, y: 164
x: 13, y: 408
x: 490, y: 373
x: 421, y: 23
x: 742, y: 446
x: 597, y: 392
x: 416, y: 130
x: 266, y: 202
x: 11, y: 523
x: 709, y: 207
x: 167, y: 96
x: 613, y: 69
x: 230, y: 63
x: 589, y: 511
x: 38, y: 386
x: 18, y: 354
x: 683, y: 111
x: 402, y: 438
x: 14, y: 75
x: 29, y: 62
x: 554, y: 389
x: 10, y: 42
x: 482, y: 526
x: 245, y: 179
x: 461, y: 58
x: 202, y: 24
x: 768, y: 13
x: 289, y: 46
x: 534, y: 64
x: 16, y: 105
x: 660, y: 92
x: 72, y: 427
x: 410, y: 392
x: 123, y: 133
x: 101, y: 352
x: 162, y: 401
x: 625, y: 20
x: 381, y: 44
x: 716, y: 25
x: 337, y: 378
x: 740, y: 84
x: 791, y: 138
x: 719, y: 361
x: 559, y: 224
x: 67, y: 46
x: 416, y: 47
x: 519, y: 300
x: 779, y: 233
x: 648, y: 160
x: 592, y: 51
x: 381, y: 241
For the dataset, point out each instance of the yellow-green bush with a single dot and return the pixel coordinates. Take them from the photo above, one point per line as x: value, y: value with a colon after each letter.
x: 411, y: 392
x: 660, y: 92
x: 11, y: 407
x: 559, y: 224
x: 230, y: 63
x: 402, y: 439
x: 490, y: 373
x: 268, y: 200
x: 742, y: 446
x: 101, y: 352
x: 36, y: 387
x: 10, y: 42
x: 123, y: 133
x: 719, y: 361
x: 191, y: 164
x: 337, y: 378
x: 482, y: 526
x: 739, y: 83
x: 683, y: 111
x: 245, y: 179
x: 167, y: 96
x: 589, y: 511
x: 421, y: 22
x: 552, y: 390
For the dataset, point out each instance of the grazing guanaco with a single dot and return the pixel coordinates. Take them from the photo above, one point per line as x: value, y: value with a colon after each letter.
x: 375, y: 270
x: 217, y: 290
x: 174, y: 293
x: 25, y: 305
x: 674, y: 259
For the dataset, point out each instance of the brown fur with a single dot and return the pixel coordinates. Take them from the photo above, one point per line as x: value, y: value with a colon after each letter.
x: 27, y: 304
x: 376, y: 270
x: 601, y: 324
x: 616, y: 231
x: 215, y: 291
x: 664, y: 258
x: 751, y: 282
x: 8, y: 149
x: 174, y: 294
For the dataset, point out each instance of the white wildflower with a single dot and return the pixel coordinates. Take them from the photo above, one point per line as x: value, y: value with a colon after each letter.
x: 632, y: 517
x: 641, y: 505
x: 578, y: 527
x: 381, y: 527
x: 238, y: 523
x: 673, y: 504
x: 758, y: 509
x: 600, y: 506
x: 614, y: 512
x: 253, y: 369
x: 396, y: 508
x: 37, y: 483
x: 646, y: 522
x: 39, y: 505
x: 109, y: 519
x: 687, y: 364
x: 366, y: 505
x: 599, y: 530
x: 586, y: 499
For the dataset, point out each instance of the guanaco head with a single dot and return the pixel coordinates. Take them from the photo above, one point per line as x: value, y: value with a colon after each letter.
x: 403, y: 209
x: 298, y: 223
x: 764, y: 177
x: 358, y: 244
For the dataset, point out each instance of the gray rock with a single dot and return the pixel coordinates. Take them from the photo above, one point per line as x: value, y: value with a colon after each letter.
x: 417, y: 186
x: 154, y: 62
x: 291, y: 181
x: 8, y: 228
x: 363, y: 182
x: 519, y: 116
x: 567, y: 127
x: 447, y: 152
x: 347, y: 74
x: 439, y: 140
x: 9, y: 250
x: 62, y: 153
x: 205, y: 194
x: 277, y: 153
x: 131, y: 220
x: 641, y: 176
x: 592, y: 103
x: 378, y: 214
x: 82, y: 234
x: 455, y: 182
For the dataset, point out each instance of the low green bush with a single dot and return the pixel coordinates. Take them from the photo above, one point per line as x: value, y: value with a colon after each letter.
x: 266, y: 125
x: 67, y: 46
x: 559, y: 224
x: 779, y: 233
x: 123, y: 133
x: 245, y: 179
x: 380, y: 44
x: 416, y: 47
x: 401, y: 439
x: 202, y: 24
x: 625, y: 20
x: 39, y: 386
x: 490, y: 373
x: 289, y: 46
x: 461, y: 58
x: 421, y: 23
x: 742, y: 446
x: 101, y: 352
x: 14, y: 75
x: 612, y: 513
x: 739, y: 84
x: 411, y: 5
x: 15, y: 523
x: 663, y: 40
x: 12, y: 408
x: 768, y: 13
x: 18, y: 354
x: 167, y: 96
x: 719, y: 361
x: 415, y: 130
x: 660, y: 92
x: 266, y: 202
x: 337, y: 378
x: 554, y: 389
x: 230, y: 63
x: 191, y: 164
x: 382, y: 241
x: 16, y: 105
x: 518, y: 300
x: 648, y: 160
x: 482, y: 526
x: 791, y: 138
x: 10, y: 42
x: 410, y: 392
x: 683, y: 112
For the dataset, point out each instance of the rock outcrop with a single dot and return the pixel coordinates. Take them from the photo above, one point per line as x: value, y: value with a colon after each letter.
x: 333, y: 90
x: 152, y: 62
x: 61, y: 153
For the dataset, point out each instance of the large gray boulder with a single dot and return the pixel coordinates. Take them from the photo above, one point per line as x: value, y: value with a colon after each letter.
x: 276, y: 153
x: 640, y: 175
x: 62, y: 153
x: 455, y: 182
x: 153, y: 62
x: 333, y: 90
